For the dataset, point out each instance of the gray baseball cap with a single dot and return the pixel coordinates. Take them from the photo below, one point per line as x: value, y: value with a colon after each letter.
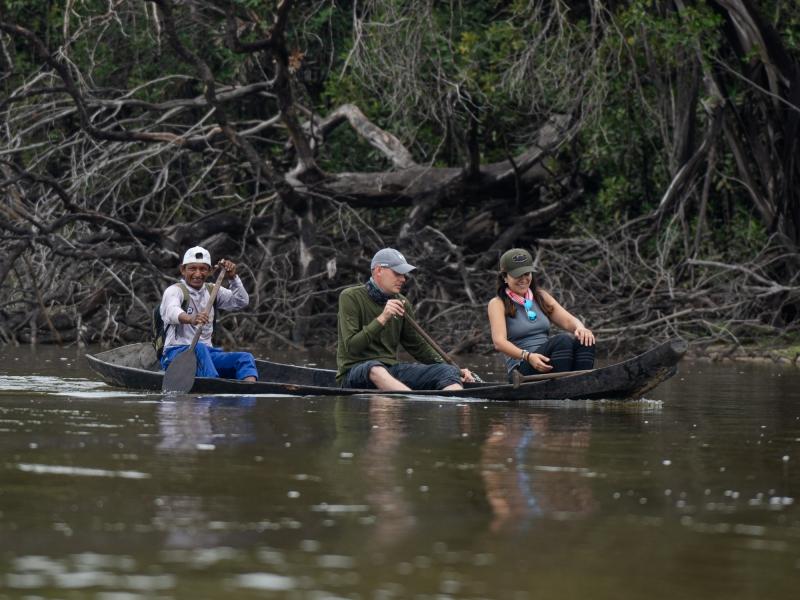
x: 391, y: 258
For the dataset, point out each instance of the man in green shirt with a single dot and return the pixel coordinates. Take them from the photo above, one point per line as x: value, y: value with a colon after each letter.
x: 371, y: 329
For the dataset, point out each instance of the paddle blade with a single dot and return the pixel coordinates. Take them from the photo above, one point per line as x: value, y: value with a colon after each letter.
x: 179, y: 376
x: 517, y: 378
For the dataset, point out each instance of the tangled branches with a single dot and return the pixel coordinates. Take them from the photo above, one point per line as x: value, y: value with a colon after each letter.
x: 134, y: 130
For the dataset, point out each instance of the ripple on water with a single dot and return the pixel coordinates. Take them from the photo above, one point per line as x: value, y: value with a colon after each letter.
x: 79, y: 471
x: 60, y: 386
x: 265, y: 581
x: 81, y: 571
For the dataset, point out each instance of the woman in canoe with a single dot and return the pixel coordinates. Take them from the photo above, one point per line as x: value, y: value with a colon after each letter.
x: 520, y: 317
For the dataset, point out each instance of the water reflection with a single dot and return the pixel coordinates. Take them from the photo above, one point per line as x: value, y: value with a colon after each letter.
x: 519, y: 487
x: 119, y: 496
x: 189, y: 426
x: 524, y: 466
x: 382, y: 474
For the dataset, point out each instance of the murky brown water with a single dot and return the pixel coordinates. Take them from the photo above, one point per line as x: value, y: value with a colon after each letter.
x: 104, y: 494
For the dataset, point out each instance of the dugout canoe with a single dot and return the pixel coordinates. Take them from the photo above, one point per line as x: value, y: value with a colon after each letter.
x: 135, y: 367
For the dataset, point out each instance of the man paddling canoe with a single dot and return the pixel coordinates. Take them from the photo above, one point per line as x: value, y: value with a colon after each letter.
x: 371, y: 328
x: 183, y: 310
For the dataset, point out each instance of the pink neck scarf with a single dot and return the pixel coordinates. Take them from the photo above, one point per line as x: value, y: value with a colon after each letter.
x: 519, y: 299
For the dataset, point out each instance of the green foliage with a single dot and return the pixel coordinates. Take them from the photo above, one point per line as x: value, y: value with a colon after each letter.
x: 669, y: 33
x: 452, y: 65
x: 742, y: 234
x: 627, y: 144
x: 256, y: 5
x: 345, y: 151
x: 790, y: 32
x: 498, y: 62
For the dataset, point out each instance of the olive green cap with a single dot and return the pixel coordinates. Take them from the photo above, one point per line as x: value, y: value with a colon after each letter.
x: 516, y: 262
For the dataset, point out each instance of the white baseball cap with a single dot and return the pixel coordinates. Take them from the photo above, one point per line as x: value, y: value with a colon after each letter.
x: 197, y: 255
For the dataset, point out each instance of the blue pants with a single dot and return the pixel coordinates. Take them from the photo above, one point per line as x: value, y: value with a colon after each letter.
x: 214, y: 362
x: 415, y: 375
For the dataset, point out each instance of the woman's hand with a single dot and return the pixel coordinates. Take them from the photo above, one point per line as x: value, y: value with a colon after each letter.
x: 584, y: 336
x: 539, y: 362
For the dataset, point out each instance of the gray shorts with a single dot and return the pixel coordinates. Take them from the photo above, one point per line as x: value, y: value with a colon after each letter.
x: 415, y: 375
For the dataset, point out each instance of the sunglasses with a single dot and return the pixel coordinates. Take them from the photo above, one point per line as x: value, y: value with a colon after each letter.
x: 529, y: 310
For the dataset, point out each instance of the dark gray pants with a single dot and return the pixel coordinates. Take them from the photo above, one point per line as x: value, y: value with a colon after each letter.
x: 415, y: 375
x: 565, y: 352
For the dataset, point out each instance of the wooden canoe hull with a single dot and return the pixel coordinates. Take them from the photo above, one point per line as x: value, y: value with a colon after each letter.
x: 135, y: 367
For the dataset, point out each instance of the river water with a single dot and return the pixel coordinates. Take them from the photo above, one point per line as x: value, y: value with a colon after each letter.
x: 690, y: 493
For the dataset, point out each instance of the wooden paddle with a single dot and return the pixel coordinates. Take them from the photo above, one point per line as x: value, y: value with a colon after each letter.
x: 436, y: 346
x: 518, y: 378
x: 180, y: 374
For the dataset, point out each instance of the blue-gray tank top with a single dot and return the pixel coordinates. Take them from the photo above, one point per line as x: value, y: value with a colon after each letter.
x: 526, y: 334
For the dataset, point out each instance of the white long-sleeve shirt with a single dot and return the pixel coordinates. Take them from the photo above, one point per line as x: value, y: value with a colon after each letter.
x: 178, y: 334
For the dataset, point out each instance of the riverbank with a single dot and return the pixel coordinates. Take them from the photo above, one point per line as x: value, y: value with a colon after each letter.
x: 789, y: 355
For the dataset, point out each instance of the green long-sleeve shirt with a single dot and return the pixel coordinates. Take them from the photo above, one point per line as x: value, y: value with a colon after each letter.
x: 362, y: 337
